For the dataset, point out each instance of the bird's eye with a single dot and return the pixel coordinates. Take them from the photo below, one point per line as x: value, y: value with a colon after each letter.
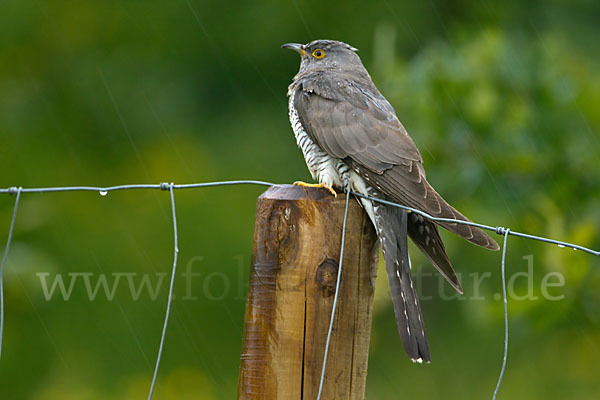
x: 318, y: 53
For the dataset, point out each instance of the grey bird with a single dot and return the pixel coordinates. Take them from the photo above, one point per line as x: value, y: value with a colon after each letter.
x: 351, y: 138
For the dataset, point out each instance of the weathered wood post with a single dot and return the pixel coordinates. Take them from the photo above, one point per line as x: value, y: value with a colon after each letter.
x: 292, y: 281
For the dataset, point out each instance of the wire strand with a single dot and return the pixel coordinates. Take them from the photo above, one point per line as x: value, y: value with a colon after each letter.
x: 335, y: 297
x: 4, y: 258
x: 103, y: 190
x: 161, y: 186
x: 498, y: 229
x: 170, y: 298
x: 505, y: 356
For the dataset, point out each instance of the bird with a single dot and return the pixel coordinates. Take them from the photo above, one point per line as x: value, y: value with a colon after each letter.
x: 351, y: 138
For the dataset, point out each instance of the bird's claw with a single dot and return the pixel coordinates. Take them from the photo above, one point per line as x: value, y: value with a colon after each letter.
x: 317, y: 185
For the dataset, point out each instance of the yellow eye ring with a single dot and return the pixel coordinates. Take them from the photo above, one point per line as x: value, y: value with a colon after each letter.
x: 318, y: 53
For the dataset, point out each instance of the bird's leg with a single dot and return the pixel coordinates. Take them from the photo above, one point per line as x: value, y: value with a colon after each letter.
x: 317, y: 185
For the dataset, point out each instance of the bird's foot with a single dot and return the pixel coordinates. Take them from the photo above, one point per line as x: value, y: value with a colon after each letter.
x: 317, y: 185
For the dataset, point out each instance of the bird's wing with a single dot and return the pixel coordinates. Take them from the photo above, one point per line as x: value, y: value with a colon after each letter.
x: 354, y: 122
x: 347, y: 121
x: 426, y: 236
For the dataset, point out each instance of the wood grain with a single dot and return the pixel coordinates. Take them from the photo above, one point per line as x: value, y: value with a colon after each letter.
x: 294, y: 269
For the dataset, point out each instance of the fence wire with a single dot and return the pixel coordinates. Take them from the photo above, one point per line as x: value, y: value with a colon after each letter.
x: 335, y: 298
x: 506, y: 232
x: 170, y: 298
x: 171, y: 187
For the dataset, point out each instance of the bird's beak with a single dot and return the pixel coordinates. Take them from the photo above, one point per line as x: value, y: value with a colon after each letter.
x: 295, y: 46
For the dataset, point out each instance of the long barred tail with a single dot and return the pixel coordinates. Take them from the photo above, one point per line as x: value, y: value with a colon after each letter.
x: 391, y: 224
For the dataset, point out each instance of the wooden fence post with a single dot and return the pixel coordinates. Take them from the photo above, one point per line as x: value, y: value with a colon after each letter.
x: 292, y: 281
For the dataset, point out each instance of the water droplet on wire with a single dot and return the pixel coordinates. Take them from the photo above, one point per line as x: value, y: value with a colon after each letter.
x: 562, y: 246
x: 103, y: 193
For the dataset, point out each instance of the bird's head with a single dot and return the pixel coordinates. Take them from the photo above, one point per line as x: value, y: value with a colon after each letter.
x: 326, y: 55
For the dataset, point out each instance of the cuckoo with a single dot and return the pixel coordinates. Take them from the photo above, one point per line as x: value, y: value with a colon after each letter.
x: 351, y: 138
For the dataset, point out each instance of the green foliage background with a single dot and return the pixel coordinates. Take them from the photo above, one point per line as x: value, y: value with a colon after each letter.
x: 502, y: 98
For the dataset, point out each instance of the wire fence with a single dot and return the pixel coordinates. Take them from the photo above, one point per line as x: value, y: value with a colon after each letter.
x: 171, y: 187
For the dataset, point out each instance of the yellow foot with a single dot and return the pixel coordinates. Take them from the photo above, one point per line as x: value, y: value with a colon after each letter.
x: 317, y: 185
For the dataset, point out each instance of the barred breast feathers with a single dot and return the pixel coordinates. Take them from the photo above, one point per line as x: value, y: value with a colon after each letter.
x: 322, y: 166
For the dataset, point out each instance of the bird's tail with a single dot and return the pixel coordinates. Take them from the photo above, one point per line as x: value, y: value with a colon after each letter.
x: 391, y: 224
